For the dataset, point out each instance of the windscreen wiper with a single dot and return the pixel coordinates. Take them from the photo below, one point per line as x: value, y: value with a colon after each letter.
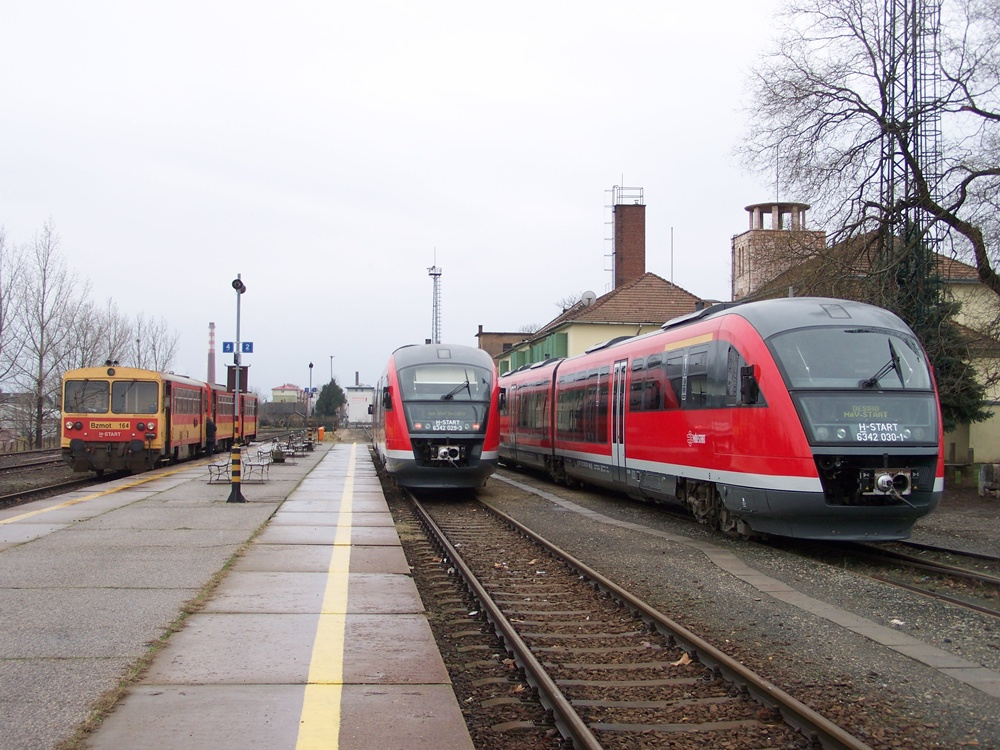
x: 892, y: 364
x: 451, y: 394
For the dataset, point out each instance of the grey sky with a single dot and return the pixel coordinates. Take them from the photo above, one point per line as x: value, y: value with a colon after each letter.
x: 324, y: 150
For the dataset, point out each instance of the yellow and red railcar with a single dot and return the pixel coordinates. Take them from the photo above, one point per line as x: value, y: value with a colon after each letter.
x: 130, y: 419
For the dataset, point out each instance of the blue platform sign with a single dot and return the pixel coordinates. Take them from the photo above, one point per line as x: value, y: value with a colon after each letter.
x: 228, y: 347
x: 246, y: 347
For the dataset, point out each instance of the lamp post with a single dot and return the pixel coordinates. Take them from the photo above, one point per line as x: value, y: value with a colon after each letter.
x: 331, y: 368
x: 235, y: 495
x: 309, y: 398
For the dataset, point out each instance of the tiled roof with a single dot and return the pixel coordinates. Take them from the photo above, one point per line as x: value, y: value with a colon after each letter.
x: 648, y: 299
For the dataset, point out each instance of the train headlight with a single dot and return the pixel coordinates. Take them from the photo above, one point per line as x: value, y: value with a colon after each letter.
x: 78, y: 425
x: 918, y: 433
x: 841, y: 433
x: 906, y: 433
x: 418, y: 425
x: 823, y: 433
x: 69, y: 425
x: 141, y: 426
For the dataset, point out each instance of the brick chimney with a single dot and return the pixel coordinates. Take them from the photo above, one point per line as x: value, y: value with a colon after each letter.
x: 630, y: 235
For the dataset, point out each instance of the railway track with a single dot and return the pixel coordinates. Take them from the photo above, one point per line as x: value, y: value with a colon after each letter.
x: 612, y: 671
x: 963, y: 587
x: 23, y: 496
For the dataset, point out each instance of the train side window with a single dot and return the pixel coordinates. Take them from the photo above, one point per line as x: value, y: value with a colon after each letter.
x: 674, y: 372
x: 636, y: 384
x: 697, y: 379
x: 387, y: 398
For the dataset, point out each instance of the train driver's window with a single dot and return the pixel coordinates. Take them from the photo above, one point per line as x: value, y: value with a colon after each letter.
x: 135, y: 397
x: 85, y: 397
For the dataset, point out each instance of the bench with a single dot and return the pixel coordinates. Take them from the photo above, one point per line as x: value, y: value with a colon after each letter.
x: 219, y: 472
x: 259, y: 468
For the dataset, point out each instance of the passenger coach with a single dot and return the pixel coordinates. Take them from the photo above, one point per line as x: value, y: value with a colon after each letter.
x: 802, y: 417
x: 435, y: 421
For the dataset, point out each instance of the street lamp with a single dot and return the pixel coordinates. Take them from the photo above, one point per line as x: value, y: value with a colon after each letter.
x: 309, y: 397
x: 235, y: 495
x: 331, y: 368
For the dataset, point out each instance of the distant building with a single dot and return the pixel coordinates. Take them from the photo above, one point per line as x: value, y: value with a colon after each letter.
x: 359, y: 398
x: 288, y: 394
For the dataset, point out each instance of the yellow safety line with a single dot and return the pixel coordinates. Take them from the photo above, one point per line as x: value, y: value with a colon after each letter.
x: 68, y: 503
x: 319, y: 726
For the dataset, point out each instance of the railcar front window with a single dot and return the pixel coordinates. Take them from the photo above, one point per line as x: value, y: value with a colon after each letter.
x: 85, y: 397
x: 859, y: 386
x: 446, y: 398
x: 445, y: 382
x: 851, y: 358
x: 135, y: 397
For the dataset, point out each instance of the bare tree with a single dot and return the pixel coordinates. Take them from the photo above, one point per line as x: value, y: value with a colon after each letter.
x: 820, y: 112
x: 11, y: 273
x: 567, y: 301
x: 152, y: 346
x: 528, y: 328
x: 52, y: 301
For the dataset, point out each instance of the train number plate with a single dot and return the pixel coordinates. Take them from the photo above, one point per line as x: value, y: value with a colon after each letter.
x: 110, y: 425
x: 446, y: 425
x: 880, y: 432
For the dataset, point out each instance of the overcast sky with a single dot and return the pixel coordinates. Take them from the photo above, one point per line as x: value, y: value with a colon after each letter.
x: 327, y: 150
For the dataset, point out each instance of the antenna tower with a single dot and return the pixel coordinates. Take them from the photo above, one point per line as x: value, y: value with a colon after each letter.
x: 435, y: 273
x: 909, y: 236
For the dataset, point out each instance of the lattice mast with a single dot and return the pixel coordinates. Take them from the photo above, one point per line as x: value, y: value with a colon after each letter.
x: 911, y: 158
x: 435, y: 273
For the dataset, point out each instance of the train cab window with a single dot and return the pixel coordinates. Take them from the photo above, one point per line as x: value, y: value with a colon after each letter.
x: 85, y: 397
x: 135, y: 397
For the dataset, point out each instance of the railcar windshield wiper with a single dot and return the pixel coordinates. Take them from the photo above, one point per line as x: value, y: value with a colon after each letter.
x: 892, y: 364
x: 451, y: 394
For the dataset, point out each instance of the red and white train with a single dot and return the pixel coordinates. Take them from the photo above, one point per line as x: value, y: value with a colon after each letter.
x: 129, y: 419
x: 434, y: 420
x: 799, y: 417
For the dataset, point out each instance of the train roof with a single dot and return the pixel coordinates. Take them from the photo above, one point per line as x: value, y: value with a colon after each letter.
x: 419, y: 354
x: 773, y: 316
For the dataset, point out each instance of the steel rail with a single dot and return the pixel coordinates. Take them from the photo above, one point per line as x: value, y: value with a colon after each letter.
x: 877, y: 553
x: 568, y: 721
x: 811, y: 724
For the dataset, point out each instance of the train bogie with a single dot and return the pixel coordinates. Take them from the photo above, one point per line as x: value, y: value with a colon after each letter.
x: 811, y: 418
x: 435, y: 422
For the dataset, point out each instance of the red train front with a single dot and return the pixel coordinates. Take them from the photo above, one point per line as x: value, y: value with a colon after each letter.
x: 812, y: 418
x: 435, y: 421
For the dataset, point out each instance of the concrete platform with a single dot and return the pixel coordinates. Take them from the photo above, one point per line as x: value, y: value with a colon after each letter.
x: 315, y: 636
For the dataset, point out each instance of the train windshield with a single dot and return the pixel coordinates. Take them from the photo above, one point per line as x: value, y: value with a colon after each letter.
x: 85, y: 397
x: 446, y: 398
x: 865, y: 358
x: 135, y: 397
x: 445, y: 383
x: 859, y: 386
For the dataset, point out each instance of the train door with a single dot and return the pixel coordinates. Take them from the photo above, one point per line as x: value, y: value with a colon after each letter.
x: 619, y: 399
